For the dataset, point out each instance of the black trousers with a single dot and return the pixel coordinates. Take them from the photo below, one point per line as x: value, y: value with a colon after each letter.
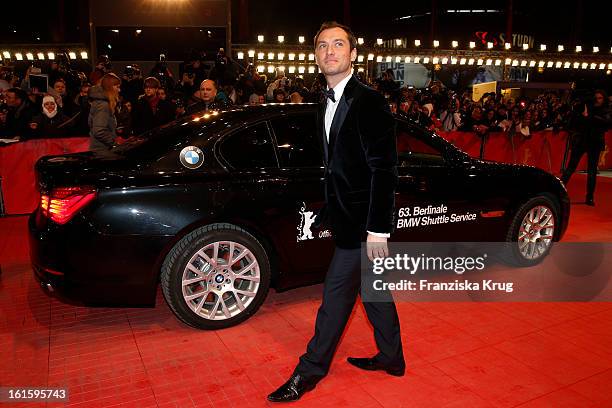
x: 592, y: 151
x: 340, y: 291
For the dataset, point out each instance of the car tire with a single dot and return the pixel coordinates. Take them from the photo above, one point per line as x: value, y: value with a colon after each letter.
x: 209, y: 293
x: 523, y: 230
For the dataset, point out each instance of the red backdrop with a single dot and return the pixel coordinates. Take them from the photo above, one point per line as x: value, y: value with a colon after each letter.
x: 17, y: 169
x: 544, y: 150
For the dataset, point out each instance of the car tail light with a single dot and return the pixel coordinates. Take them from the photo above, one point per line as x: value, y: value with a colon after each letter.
x: 63, y: 203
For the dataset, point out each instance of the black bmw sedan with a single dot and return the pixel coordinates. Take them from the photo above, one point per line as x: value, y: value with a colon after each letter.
x: 218, y: 207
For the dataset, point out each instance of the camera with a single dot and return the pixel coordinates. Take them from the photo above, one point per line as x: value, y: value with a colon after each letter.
x: 131, y: 71
x: 189, y: 71
x: 105, y: 61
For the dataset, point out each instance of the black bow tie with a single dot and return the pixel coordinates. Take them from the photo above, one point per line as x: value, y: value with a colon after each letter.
x: 329, y: 93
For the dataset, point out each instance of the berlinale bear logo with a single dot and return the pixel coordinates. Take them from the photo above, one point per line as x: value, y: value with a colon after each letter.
x: 307, y: 218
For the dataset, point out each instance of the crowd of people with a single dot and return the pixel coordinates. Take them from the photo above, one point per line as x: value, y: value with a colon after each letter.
x: 443, y: 109
x: 140, y: 103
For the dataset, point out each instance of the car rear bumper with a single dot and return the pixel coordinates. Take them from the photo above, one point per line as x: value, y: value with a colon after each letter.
x: 79, y: 265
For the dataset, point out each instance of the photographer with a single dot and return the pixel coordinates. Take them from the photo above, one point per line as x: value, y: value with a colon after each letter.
x: 588, y: 124
x: 450, y: 117
x: 281, y: 82
x: 187, y: 86
x: 163, y: 73
x: 131, y: 83
x: 225, y: 71
x: 103, y: 67
x: 195, y: 66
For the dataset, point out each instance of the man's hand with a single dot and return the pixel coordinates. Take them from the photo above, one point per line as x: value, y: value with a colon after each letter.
x: 377, y: 247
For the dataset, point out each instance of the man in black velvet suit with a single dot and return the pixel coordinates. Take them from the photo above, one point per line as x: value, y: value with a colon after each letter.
x: 360, y: 178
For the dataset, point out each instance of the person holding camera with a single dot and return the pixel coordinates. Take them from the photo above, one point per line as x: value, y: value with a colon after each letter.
x: 450, y: 117
x: 162, y: 72
x: 187, y: 87
x: 102, y: 68
x: 281, y: 82
x: 131, y: 83
x: 588, y: 125
x: 225, y: 71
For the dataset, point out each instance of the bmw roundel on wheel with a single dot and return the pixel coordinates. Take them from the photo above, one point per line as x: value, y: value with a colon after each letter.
x: 219, y: 208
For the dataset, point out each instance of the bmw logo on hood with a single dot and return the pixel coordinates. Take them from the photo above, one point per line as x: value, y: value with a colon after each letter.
x: 192, y: 157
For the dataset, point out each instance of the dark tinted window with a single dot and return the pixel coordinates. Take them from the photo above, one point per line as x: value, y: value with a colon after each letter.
x: 249, y: 148
x: 412, y: 149
x: 296, y: 136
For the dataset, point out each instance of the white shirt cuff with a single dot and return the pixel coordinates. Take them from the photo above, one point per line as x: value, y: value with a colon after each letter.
x: 380, y: 234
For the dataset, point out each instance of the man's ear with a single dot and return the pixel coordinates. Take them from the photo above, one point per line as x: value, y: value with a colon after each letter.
x: 353, y: 54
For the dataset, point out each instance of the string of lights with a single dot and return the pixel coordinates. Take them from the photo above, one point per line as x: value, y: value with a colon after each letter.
x: 24, y: 54
x: 296, y: 58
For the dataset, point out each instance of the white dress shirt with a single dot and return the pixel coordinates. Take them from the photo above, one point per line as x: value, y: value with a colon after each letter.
x: 330, y: 111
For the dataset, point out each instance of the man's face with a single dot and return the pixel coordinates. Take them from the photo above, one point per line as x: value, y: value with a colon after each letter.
x: 150, y: 91
x: 599, y: 99
x: 161, y: 93
x: 12, y: 100
x: 333, y: 52
x: 60, y: 88
x: 208, y: 92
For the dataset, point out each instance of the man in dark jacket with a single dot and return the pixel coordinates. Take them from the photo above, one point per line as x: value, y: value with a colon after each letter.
x: 151, y: 111
x: 206, y: 98
x: 360, y: 180
x: 588, y: 126
x: 19, y: 116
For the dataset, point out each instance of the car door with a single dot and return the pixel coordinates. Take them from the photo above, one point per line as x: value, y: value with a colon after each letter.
x: 437, y: 197
x: 301, y: 169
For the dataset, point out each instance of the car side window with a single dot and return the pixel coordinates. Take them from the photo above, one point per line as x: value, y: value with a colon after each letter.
x: 249, y: 148
x: 296, y: 138
x: 413, y: 150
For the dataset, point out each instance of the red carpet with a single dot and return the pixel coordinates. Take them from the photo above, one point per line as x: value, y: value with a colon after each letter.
x: 458, y: 354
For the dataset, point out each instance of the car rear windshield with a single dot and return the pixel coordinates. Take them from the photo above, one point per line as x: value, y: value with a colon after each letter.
x: 157, y: 142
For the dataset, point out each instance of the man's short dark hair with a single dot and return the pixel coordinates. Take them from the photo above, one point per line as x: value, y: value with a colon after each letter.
x: 19, y: 93
x: 333, y: 24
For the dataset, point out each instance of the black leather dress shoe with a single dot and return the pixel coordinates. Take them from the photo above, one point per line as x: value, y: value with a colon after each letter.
x: 293, y: 389
x: 371, y: 364
x: 590, y: 201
